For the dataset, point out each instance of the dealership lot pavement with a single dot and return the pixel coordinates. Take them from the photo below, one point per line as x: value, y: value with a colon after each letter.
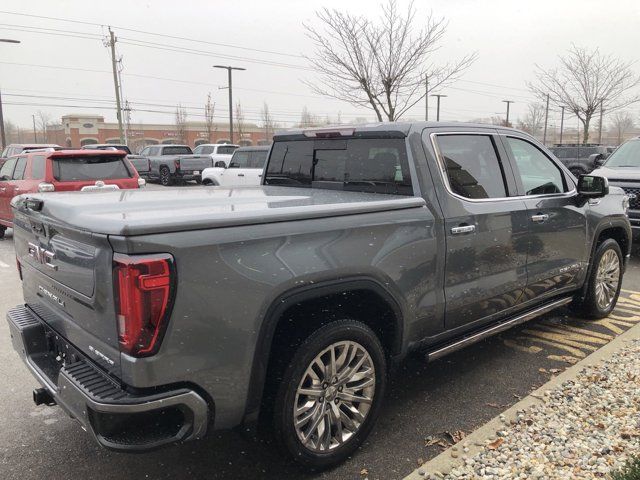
x: 457, y: 393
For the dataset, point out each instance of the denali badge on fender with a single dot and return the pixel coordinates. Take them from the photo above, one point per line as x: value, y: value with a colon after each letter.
x: 45, y: 257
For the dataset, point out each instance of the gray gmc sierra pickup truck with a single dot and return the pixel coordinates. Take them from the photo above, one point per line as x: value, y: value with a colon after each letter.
x: 154, y: 317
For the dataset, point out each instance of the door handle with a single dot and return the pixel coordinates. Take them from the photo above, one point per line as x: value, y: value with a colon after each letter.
x: 241, y: 174
x: 463, y: 229
x: 540, y: 218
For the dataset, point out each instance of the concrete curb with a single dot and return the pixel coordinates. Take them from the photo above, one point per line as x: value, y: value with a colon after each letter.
x: 475, y: 442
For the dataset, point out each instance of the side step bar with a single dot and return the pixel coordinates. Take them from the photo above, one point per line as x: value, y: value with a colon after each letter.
x: 476, y: 337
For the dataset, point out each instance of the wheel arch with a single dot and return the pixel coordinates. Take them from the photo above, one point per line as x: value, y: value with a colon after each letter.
x: 309, y: 295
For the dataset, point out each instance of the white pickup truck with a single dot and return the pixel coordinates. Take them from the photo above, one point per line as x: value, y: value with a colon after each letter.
x: 219, y: 152
x: 245, y: 168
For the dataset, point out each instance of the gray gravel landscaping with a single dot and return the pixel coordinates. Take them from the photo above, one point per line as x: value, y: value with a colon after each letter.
x: 584, y: 428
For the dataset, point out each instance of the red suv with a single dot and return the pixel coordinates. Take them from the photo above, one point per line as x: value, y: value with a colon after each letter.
x: 64, y: 170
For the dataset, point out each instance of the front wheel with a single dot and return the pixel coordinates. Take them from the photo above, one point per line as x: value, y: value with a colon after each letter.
x: 330, y: 394
x: 603, y: 283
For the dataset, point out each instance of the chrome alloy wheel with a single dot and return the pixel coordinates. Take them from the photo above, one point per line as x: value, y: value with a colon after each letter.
x: 607, y: 279
x: 334, y: 396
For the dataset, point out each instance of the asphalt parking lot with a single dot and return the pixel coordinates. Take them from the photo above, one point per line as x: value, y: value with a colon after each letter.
x: 425, y: 401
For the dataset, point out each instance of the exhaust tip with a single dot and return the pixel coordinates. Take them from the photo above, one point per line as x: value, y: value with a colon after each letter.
x: 41, y: 396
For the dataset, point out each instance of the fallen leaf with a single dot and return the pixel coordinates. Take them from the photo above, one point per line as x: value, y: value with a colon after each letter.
x: 600, y: 426
x: 431, y: 441
x: 542, y: 370
x: 420, y: 461
x: 456, y: 436
x: 364, y: 472
x: 495, y: 444
x: 554, y: 370
x: 493, y: 405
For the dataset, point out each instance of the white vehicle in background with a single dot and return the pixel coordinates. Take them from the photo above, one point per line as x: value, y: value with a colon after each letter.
x: 219, y: 152
x: 245, y: 168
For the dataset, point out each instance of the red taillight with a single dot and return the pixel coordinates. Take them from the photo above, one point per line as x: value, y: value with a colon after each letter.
x: 144, y: 287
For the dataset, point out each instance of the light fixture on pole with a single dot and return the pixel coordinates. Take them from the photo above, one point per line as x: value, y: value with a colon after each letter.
x: 438, y: 96
x: 230, y: 87
x: 508, y: 102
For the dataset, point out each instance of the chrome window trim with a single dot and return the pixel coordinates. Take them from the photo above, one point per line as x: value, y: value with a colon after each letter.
x: 445, y: 179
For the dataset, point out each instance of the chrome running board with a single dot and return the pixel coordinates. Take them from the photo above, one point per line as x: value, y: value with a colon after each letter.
x: 476, y: 337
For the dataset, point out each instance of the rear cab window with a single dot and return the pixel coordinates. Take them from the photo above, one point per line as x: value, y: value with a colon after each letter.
x: 176, y: 151
x: 94, y: 167
x: 375, y: 165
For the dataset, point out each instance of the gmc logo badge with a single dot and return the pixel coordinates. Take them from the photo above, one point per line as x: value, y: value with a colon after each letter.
x: 42, y: 256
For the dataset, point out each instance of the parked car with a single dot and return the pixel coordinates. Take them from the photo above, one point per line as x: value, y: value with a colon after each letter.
x: 17, y: 148
x: 157, y: 316
x: 61, y: 171
x: 622, y: 169
x: 219, y: 152
x: 175, y: 163
x: 245, y: 168
x: 580, y: 159
x: 140, y: 162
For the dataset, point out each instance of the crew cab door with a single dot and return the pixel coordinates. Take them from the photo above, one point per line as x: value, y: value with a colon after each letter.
x: 485, y: 227
x: 558, y: 253
x: 237, y: 172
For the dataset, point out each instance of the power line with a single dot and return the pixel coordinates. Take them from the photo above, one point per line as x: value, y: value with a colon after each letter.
x: 175, y: 37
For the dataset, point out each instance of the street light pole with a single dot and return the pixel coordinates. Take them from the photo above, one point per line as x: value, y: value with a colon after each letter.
x: 508, y: 102
x: 230, y: 87
x: 438, y: 96
x: 561, y: 122
x: 3, y: 138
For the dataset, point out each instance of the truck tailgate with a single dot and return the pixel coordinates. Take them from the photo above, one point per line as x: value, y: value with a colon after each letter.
x: 67, y: 282
x: 195, y: 162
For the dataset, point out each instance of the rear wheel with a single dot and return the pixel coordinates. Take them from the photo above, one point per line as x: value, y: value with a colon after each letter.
x: 330, y: 394
x: 165, y: 176
x: 604, y: 282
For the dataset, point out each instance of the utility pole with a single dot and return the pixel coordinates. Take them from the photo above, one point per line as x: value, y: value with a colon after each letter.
x: 438, y: 96
x: 561, y: 122
x: 114, y: 66
x: 546, y: 121
x: 35, y: 132
x: 3, y: 139
x: 230, y: 87
x: 2, y: 135
x: 600, y: 126
x: 426, y: 98
x: 508, y: 102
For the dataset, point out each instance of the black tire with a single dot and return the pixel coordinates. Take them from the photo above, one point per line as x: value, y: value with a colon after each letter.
x: 589, y: 306
x: 165, y: 177
x: 577, y: 172
x: 2, y: 232
x: 321, y: 339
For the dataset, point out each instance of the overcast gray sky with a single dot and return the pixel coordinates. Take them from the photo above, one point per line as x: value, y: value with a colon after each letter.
x: 509, y: 36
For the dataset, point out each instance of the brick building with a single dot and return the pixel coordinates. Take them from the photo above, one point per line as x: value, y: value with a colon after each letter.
x: 79, y: 129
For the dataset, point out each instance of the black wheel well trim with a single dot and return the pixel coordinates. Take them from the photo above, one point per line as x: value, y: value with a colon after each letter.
x: 606, y: 225
x: 297, y: 295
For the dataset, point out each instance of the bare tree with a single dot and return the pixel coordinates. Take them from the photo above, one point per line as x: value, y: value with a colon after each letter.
x: 43, y: 119
x: 181, y: 124
x: 622, y: 122
x: 308, y: 119
x: 209, y: 109
x: 239, y: 114
x: 381, y: 65
x: 267, y: 122
x: 533, y: 121
x: 586, y: 81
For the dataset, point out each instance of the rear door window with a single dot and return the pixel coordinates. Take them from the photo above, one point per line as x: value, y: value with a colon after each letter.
x: 38, y: 163
x: 103, y: 167
x: 472, y: 166
x: 258, y: 158
x: 21, y: 165
x: 366, y: 165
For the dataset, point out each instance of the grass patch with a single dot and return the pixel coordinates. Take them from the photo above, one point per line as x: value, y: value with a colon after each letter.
x: 630, y: 471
